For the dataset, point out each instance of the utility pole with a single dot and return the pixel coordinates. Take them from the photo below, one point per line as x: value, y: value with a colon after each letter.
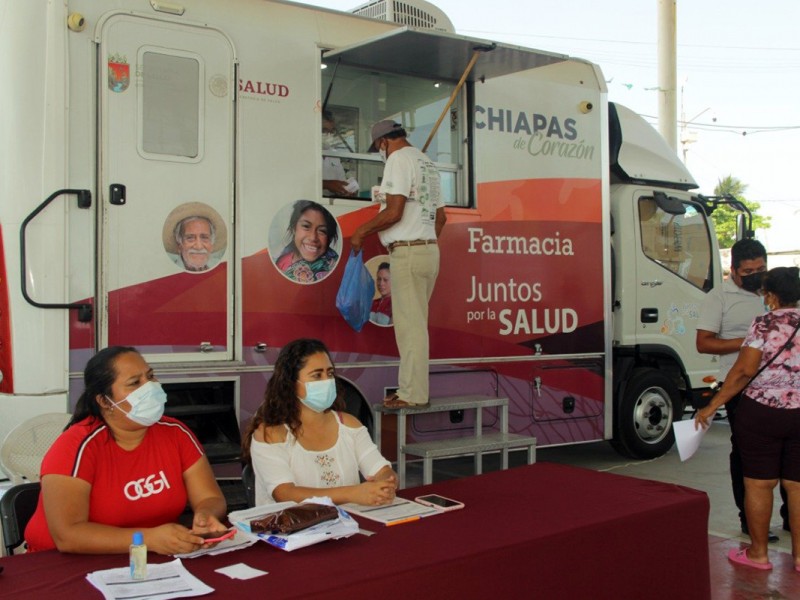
x: 667, y: 72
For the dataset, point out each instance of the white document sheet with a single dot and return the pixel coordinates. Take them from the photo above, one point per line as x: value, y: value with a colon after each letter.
x: 166, y: 580
x: 687, y: 439
x: 241, y: 571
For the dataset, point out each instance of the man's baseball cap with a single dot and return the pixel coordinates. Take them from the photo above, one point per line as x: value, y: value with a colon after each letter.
x: 380, y: 129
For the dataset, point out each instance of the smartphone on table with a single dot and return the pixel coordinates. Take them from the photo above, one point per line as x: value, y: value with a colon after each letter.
x: 439, y: 502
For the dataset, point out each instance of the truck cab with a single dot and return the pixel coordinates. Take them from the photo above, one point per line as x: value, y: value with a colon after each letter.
x: 665, y: 259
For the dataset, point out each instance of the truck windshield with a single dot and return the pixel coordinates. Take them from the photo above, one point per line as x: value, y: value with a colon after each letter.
x: 679, y: 243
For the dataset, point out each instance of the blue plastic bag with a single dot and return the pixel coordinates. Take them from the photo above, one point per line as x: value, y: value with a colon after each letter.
x: 354, y: 298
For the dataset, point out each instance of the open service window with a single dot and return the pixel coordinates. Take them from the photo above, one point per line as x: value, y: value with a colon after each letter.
x: 409, y: 76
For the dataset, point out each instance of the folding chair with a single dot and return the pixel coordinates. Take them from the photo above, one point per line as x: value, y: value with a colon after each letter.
x: 17, y: 506
x: 24, y: 447
x: 249, y: 482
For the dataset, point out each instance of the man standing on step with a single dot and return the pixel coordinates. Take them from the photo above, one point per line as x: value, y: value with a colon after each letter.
x: 725, y: 317
x: 409, y: 222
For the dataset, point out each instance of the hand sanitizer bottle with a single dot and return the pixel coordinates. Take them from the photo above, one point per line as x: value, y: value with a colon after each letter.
x: 138, y: 556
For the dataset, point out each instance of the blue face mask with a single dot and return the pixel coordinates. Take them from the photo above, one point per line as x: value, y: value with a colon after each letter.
x: 320, y: 395
x: 147, y: 403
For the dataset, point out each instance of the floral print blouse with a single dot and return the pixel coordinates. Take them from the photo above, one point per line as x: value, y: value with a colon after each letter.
x: 778, y: 385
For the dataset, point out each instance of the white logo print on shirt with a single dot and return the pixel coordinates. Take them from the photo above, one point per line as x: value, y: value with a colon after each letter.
x: 142, y: 488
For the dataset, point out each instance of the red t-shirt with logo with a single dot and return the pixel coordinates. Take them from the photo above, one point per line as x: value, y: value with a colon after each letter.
x: 137, y: 488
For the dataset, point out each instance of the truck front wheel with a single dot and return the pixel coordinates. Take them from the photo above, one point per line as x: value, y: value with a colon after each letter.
x: 645, y: 414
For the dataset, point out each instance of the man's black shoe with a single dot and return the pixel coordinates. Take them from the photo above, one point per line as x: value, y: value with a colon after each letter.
x: 786, y: 526
x: 771, y: 537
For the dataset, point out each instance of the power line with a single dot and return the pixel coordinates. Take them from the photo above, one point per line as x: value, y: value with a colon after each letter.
x: 720, y: 128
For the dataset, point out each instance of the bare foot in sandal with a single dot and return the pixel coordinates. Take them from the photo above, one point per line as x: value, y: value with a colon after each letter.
x: 394, y: 401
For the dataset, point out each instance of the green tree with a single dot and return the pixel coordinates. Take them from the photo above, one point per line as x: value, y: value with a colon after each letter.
x: 724, y: 216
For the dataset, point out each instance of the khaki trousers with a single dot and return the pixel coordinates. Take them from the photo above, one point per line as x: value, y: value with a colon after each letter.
x: 414, y: 270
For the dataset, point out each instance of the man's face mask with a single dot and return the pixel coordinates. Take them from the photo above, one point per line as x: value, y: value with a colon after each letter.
x: 752, y: 282
x: 147, y: 403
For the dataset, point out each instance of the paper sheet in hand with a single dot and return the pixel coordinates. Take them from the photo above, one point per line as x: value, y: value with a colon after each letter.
x: 687, y: 439
x: 167, y: 580
x: 343, y: 526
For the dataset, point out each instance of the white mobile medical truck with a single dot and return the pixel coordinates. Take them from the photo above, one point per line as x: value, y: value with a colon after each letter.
x: 574, y: 260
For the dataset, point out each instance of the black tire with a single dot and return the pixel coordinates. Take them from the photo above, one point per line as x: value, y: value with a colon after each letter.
x: 356, y: 405
x: 644, y: 415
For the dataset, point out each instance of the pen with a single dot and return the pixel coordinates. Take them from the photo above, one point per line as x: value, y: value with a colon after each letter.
x: 406, y: 520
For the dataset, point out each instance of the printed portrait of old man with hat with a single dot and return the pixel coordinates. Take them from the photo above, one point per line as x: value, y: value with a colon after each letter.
x: 195, y: 236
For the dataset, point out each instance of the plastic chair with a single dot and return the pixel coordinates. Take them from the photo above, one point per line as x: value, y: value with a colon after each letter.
x: 24, y: 447
x: 249, y: 482
x: 17, y: 506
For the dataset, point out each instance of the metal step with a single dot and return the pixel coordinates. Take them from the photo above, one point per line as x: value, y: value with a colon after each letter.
x: 445, y: 404
x: 469, y: 445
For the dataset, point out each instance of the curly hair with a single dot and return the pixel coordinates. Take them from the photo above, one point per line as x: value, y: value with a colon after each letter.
x: 281, y: 406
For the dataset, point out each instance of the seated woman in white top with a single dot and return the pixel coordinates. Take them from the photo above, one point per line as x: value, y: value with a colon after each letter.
x: 301, y: 446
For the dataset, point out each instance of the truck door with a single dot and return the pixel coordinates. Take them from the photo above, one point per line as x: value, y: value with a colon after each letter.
x: 166, y: 173
x: 673, y: 272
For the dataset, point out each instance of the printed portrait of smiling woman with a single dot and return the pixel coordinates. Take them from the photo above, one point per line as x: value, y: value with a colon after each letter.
x: 308, y: 255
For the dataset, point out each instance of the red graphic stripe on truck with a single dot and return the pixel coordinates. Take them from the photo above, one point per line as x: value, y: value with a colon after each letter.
x: 6, y: 364
x: 541, y: 200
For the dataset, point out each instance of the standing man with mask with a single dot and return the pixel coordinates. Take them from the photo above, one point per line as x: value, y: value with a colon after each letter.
x: 410, y: 221
x: 725, y: 317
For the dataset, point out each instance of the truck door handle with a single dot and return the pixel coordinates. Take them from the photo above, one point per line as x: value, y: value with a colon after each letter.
x: 649, y: 315
x: 85, y: 202
x: 116, y: 194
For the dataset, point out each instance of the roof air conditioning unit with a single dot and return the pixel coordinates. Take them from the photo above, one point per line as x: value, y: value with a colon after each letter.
x: 414, y: 13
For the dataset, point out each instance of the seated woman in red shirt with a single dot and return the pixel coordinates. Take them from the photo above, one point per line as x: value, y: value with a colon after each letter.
x: 121, y: 466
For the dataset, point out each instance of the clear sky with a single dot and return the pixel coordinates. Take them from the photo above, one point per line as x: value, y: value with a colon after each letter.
x: 738, y: 67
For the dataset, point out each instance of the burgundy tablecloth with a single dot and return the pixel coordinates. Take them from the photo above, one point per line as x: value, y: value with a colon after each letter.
x: 543, y: 531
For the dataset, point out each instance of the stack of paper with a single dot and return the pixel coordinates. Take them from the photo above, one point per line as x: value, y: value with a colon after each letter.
x: 237, y: 542
x: 342, y: 527
x: 399, y: 511
x: 167, y: 580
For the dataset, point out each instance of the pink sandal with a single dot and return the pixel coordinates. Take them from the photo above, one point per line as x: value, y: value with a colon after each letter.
x: 740, y: 557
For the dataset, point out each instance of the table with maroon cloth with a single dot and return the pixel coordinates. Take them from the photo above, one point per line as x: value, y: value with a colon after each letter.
x: 543, y: 530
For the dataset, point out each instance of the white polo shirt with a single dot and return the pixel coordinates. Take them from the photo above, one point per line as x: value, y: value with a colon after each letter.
x: 728, y: 311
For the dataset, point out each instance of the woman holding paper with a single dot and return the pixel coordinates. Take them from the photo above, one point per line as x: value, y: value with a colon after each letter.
x: 767, y: 422
x: 301, y: 445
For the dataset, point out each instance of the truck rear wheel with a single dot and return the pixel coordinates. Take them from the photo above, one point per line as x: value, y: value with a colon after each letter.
x: 645, y: 415
x: 356, y: 405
